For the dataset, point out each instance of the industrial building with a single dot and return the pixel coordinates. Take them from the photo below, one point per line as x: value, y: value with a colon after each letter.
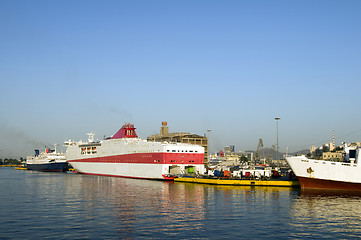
x: 181, y: 137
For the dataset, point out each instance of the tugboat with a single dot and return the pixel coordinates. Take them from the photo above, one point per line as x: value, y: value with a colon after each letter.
x: 48, y: 161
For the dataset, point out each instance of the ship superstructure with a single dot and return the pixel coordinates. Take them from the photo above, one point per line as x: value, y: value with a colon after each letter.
x: 126, y: 155
x: 49, y: 160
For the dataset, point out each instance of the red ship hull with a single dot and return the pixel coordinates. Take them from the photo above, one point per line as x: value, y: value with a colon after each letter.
x: 320, y: 184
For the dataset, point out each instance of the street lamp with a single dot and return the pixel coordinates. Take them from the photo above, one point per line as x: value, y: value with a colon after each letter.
x: 209, y: 145
x: 277, y: 119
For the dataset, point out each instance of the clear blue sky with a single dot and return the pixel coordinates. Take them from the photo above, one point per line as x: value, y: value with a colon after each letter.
x: 71, y: 67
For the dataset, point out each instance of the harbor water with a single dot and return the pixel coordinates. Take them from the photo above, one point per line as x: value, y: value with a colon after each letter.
x: 38, y: 205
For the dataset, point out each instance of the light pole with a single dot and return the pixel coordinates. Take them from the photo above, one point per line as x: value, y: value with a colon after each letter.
x: 209, y: 145
x: 277, y: 119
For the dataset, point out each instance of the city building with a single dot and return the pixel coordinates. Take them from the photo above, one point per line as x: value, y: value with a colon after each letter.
x: 229, y: 149
x: 181, y: 137
x: 332, y: 155
x: 312, y: 150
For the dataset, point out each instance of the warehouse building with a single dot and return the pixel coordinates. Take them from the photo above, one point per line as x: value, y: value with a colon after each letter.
x: 181, y: 137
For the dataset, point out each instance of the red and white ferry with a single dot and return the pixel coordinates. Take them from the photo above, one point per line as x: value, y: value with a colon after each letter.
x: 126, y: 155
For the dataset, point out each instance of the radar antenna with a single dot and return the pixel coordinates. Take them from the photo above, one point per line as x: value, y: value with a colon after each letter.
x: 90, y: 137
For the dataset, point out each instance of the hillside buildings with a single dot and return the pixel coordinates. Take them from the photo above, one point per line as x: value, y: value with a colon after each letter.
x: 330, y: 152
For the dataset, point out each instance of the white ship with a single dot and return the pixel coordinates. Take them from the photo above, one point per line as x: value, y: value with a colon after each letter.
x: 326, y: 174
x: 126, y: 155
x: 49, y: 161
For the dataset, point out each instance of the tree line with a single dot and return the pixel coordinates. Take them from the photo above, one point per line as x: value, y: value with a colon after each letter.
x: 11, y: 161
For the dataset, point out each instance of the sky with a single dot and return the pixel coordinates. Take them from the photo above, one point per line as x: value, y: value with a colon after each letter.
x: 71, y: 67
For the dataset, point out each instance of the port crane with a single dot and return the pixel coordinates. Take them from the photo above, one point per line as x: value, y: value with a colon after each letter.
x: 259, y: 148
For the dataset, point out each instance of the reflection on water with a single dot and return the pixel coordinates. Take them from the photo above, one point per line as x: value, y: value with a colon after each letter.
x: 130, y: 208
x: 319, y: 214
x: 73, y: 206
x: 152, y: 207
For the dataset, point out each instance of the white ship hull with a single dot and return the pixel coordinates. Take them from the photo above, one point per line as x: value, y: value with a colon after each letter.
x: 135, y: 158
x: 158, y: 165
x: 146, y: 171
x: 322, y: 174
x: 49, y: 160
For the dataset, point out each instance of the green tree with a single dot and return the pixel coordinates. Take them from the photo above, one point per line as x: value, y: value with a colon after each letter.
x: 14, y: 161
x: 318, y: 153
x: 11, y: 161
x: 243, y: 159
x: 338, y: 149
x: 325, y: 148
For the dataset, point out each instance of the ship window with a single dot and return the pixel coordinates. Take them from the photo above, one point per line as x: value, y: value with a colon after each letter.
x: 168, y: 150
x: 173, y: 151
x: 352, y: 154
x: 196, y: 151
x: 190, y: 150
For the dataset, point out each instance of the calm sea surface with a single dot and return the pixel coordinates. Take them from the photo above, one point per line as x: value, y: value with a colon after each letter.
x: 35, y: 205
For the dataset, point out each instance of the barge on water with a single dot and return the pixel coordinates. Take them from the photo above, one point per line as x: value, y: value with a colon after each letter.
x: 239, y: 182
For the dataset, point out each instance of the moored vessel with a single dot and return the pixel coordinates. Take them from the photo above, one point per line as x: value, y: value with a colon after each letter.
x: 344, y: 175
x: 126, y: 155
x: 239, y: 182
x: 47, y: 161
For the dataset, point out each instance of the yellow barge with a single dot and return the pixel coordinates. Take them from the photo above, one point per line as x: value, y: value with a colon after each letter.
x: 268, y: 183
x: 20, y: 168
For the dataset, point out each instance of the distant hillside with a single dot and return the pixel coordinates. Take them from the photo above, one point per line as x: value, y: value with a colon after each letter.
x: 304, y: 152
x: 267, y: 152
